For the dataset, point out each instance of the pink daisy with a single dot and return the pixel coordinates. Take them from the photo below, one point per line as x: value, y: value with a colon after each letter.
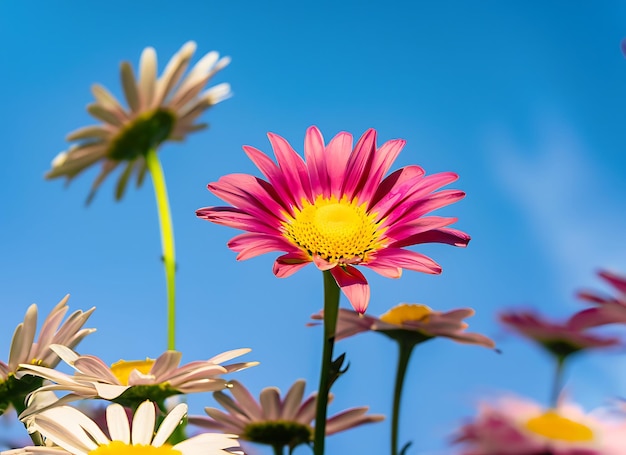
x: 413, y: 321
x: 513, y: 426
x: 337, y: 209
x: 274, y: 420
x: 609, y: 310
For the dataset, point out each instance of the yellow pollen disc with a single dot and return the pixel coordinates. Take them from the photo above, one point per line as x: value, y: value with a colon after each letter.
x: 122, y: 369
x: 406, y: 312
x: 120, y: 448
x: 339, y: 231
x: 553, y: 426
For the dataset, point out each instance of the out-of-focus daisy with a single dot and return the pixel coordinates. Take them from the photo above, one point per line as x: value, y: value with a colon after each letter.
x: 273, y: 420
x: 24, y: 349
x: 409, y: 325
x: 74, y: 433
x: 131, y: 382
x: 337, y: 209
x: 513, y: 426
x: 609, y: 310
x: 560, y: 339
x: 159, y: 109
x: 413, y: 322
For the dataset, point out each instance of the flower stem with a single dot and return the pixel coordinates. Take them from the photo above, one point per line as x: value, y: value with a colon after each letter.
x: 167, y: 241
x: 558, y: 381
x: 331, y: 311
x: 278, y: 449
x: 404, y: 355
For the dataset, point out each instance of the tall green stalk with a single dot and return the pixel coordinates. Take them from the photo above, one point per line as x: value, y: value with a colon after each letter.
x: 405, y: 348
x: 167, y: 241
x: 331, y: 312
x: 558, y: 381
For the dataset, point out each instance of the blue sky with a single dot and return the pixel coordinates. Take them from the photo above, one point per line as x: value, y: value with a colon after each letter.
x: 526, y: 102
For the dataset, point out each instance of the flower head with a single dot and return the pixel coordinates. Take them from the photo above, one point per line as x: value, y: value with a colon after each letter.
x: 413, y: 322
x: 272, y: 420
x: 513, y: 426
x: 131, y: 382
x: 560, y: 339
x: 76, y: 434
x: 24, y: 349
x: 337, y: 209
x: 608, y: 310
x: 158, y: 110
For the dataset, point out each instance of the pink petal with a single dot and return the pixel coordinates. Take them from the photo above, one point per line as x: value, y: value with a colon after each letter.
x: 444, y: 235
x: 383, y: 159
x: 290, y: 263
x: 322, y: 264
x: 358, y: 168
x: 316, y: 163
x: 251, y: 245
x: 405, y: 259
x: 273, y: 174
x: 354, y: 286
x: 337, y: 155
x: 593, y: 317
x: 388, y: 187
x: 401, y: 231
x: 293, y: 168
x: 617, y: 281
x: 235, y: 218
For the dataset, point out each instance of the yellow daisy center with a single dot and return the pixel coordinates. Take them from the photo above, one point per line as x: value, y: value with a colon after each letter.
x: 120, y: 448
x: 551, y: 425
x: 141, y: 134
x: 122, y: 369
x: 339, y: 231
x: 406, y: 312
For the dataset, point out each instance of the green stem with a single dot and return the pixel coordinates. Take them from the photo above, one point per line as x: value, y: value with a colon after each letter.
x: 558, y: 381
x: 404, y: 355
x: 278, y: 449
x: 167, y: 241
x: 331, y: 312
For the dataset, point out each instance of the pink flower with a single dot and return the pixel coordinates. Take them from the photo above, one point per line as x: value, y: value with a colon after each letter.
x: 417, y: 322
x: 513, y: 426
x: 610, y: 310
x: 337, y: 210
x: 275, y: 421
x: 561, y: 339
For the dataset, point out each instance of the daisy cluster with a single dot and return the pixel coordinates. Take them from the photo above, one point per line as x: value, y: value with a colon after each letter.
x: 338, y: 207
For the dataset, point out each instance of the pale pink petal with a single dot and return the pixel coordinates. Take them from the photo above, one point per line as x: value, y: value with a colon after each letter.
x: 165, y: 363
x: 354, y: 286
x: 248, y: 404
x: 109, y: 391
x: 322, y: 264
x: 292, y: 400
x: 350, y: 419
x: 270, y: 403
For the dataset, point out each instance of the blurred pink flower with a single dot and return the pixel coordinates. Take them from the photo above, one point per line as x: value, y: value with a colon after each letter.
x: 275, y: 421
x: 336, y: 209
x: 561, y: 339
x: 513, y: 426
x: 418, y: 322
x: 609, y: 310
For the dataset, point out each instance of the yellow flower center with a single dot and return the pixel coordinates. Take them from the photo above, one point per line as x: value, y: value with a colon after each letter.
x: 553, y: 426
x: 122, y: 369
x: 406, y: 312
x: 339, y: 231
x: 120, y: 448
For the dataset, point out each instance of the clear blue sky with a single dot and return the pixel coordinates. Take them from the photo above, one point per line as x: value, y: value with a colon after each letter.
x: 525, y: 101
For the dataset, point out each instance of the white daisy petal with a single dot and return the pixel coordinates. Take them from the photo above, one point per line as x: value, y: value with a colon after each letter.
x: 169, y: 424
x: 143, y: 423
x: 118, y: 424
